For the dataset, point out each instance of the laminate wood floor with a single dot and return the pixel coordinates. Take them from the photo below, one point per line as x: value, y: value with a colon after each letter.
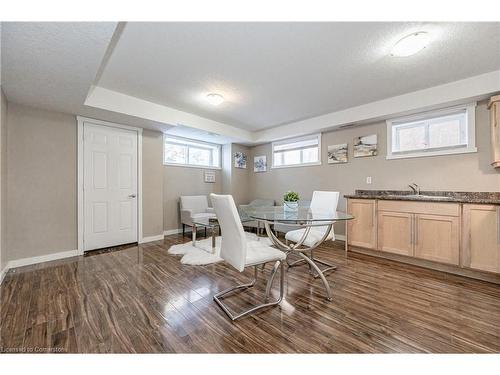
x: 141, y: 299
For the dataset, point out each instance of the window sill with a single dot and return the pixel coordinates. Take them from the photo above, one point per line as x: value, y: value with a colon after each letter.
x: 190, y: 166
x: 432, y: 153
x: 296, y: 165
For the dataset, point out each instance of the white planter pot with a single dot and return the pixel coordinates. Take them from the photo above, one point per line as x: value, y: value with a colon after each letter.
x: 290, y: 206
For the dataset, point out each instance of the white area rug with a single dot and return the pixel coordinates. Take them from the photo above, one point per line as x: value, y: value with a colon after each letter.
x: 201, y: 254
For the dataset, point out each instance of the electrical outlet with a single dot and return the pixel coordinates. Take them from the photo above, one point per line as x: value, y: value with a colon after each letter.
x: 368, y: 180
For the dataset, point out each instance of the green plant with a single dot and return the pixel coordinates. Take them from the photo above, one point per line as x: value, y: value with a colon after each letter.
x: 291, y: 196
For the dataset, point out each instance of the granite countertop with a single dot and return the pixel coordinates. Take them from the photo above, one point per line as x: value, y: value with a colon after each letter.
x: 429, y: 196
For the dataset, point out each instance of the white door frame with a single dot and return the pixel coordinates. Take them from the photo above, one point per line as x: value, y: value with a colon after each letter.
x: 81, y: 217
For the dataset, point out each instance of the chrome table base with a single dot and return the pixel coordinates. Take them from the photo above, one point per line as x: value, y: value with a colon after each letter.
x: 300, y: 262
x: 296, y: 249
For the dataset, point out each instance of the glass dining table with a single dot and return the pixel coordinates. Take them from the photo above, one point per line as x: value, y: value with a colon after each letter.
x: 307, y: 219
x: 213, y: 225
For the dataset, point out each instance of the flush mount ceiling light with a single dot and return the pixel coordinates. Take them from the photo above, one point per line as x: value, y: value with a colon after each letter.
x: 215, y: 99
x: 410, y: 44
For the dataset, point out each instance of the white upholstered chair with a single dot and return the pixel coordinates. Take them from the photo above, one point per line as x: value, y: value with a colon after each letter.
x: 241, y: 253
x: 321, y: 200
x: 194, y: 207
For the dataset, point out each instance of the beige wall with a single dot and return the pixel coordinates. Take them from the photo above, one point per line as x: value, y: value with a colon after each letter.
x: 152, y: 183
x: 464, y: 172
x: 179, y: 181
x: 240, y: 177
x: 235, y: 180
x: 189, y: 181
x: 40, y: 160
x: 3, y: 181
x: 41, y: 184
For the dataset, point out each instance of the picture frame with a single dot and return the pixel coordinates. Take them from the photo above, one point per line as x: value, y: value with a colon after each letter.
x: 260, y: 164
x: 209, y: 177
x: 365, y: 146
x: 337, y: 154
x: 240, y: 160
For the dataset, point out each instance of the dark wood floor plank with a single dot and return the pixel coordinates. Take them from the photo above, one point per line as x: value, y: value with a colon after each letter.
x: 140, y: 299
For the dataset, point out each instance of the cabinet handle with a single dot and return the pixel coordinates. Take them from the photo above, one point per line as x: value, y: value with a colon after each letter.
x: 374, y: 213
x: 415, y: 235
x: 411, y: 229
x: 498, y: 225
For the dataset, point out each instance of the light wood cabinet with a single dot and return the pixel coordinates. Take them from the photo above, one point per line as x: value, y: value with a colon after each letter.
x: 481, y: 237
x: 437, y: 238
x: 362, y: 230
x: 494, y: 107
x: 424, y: 230
x: 395, y: 232
x: 452, y: 234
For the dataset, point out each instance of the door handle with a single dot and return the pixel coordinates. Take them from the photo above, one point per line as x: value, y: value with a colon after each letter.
x: 132, y: 196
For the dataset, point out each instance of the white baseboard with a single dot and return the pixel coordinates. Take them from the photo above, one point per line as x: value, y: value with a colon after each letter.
x: 40, y: 259
x: 172, y: 231
x: 3, y: 273
x: 152, y: 238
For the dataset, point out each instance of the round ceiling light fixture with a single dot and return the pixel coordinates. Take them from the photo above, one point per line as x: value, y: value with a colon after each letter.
x: 410, y: 44
x: 215, y: 99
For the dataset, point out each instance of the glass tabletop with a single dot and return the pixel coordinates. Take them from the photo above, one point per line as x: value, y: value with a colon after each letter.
x: 213, y: 222
x: 301, y: 215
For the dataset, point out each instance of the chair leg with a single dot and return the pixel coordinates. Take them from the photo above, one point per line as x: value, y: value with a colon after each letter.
x: 219, y: 296
x: 271, y: 279
x: 205, y: 232
x: 183, y: 229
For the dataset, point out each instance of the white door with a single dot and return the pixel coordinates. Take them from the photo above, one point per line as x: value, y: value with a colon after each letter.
x: 110, y: 186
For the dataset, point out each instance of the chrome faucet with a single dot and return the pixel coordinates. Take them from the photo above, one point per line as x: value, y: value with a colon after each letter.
x: 416, y: 189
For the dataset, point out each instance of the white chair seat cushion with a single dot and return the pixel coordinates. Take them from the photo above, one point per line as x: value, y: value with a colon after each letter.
x: 202, y: 215
x: 259, y: 252
x: 313, y: 236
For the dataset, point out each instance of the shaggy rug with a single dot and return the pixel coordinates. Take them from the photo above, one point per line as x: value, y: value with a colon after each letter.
x: 201, y: 253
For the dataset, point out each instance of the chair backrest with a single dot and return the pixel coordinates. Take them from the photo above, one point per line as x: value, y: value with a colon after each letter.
x: 325, y: 200
x: 234, y: 245
x: 197, y: 203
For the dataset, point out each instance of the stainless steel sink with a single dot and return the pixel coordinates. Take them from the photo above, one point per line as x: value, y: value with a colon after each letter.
x: 422, y: 196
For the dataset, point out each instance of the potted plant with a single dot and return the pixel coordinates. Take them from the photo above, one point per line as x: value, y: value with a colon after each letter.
x: 291, y: 201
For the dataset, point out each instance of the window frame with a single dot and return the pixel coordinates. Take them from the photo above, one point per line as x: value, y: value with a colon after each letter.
x: 297, y: 139
x: 180, y: 140
x: 470, y: 128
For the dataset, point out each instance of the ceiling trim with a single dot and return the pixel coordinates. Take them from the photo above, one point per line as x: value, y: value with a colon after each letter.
x: 473, y: 88
x: 110, y: 100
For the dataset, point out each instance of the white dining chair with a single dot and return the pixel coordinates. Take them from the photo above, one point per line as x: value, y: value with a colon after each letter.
x: 321, y: 201
x: 241, y: 253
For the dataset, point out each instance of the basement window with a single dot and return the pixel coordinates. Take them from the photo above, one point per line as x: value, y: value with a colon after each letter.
x: 443, y: 132
x: 190, y: 153
x: 297, y: 152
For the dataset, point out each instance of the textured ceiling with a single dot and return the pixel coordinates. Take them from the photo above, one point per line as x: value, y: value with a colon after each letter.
x: 52, y: 65
x: 276, y: 73
x: 270, y: 73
